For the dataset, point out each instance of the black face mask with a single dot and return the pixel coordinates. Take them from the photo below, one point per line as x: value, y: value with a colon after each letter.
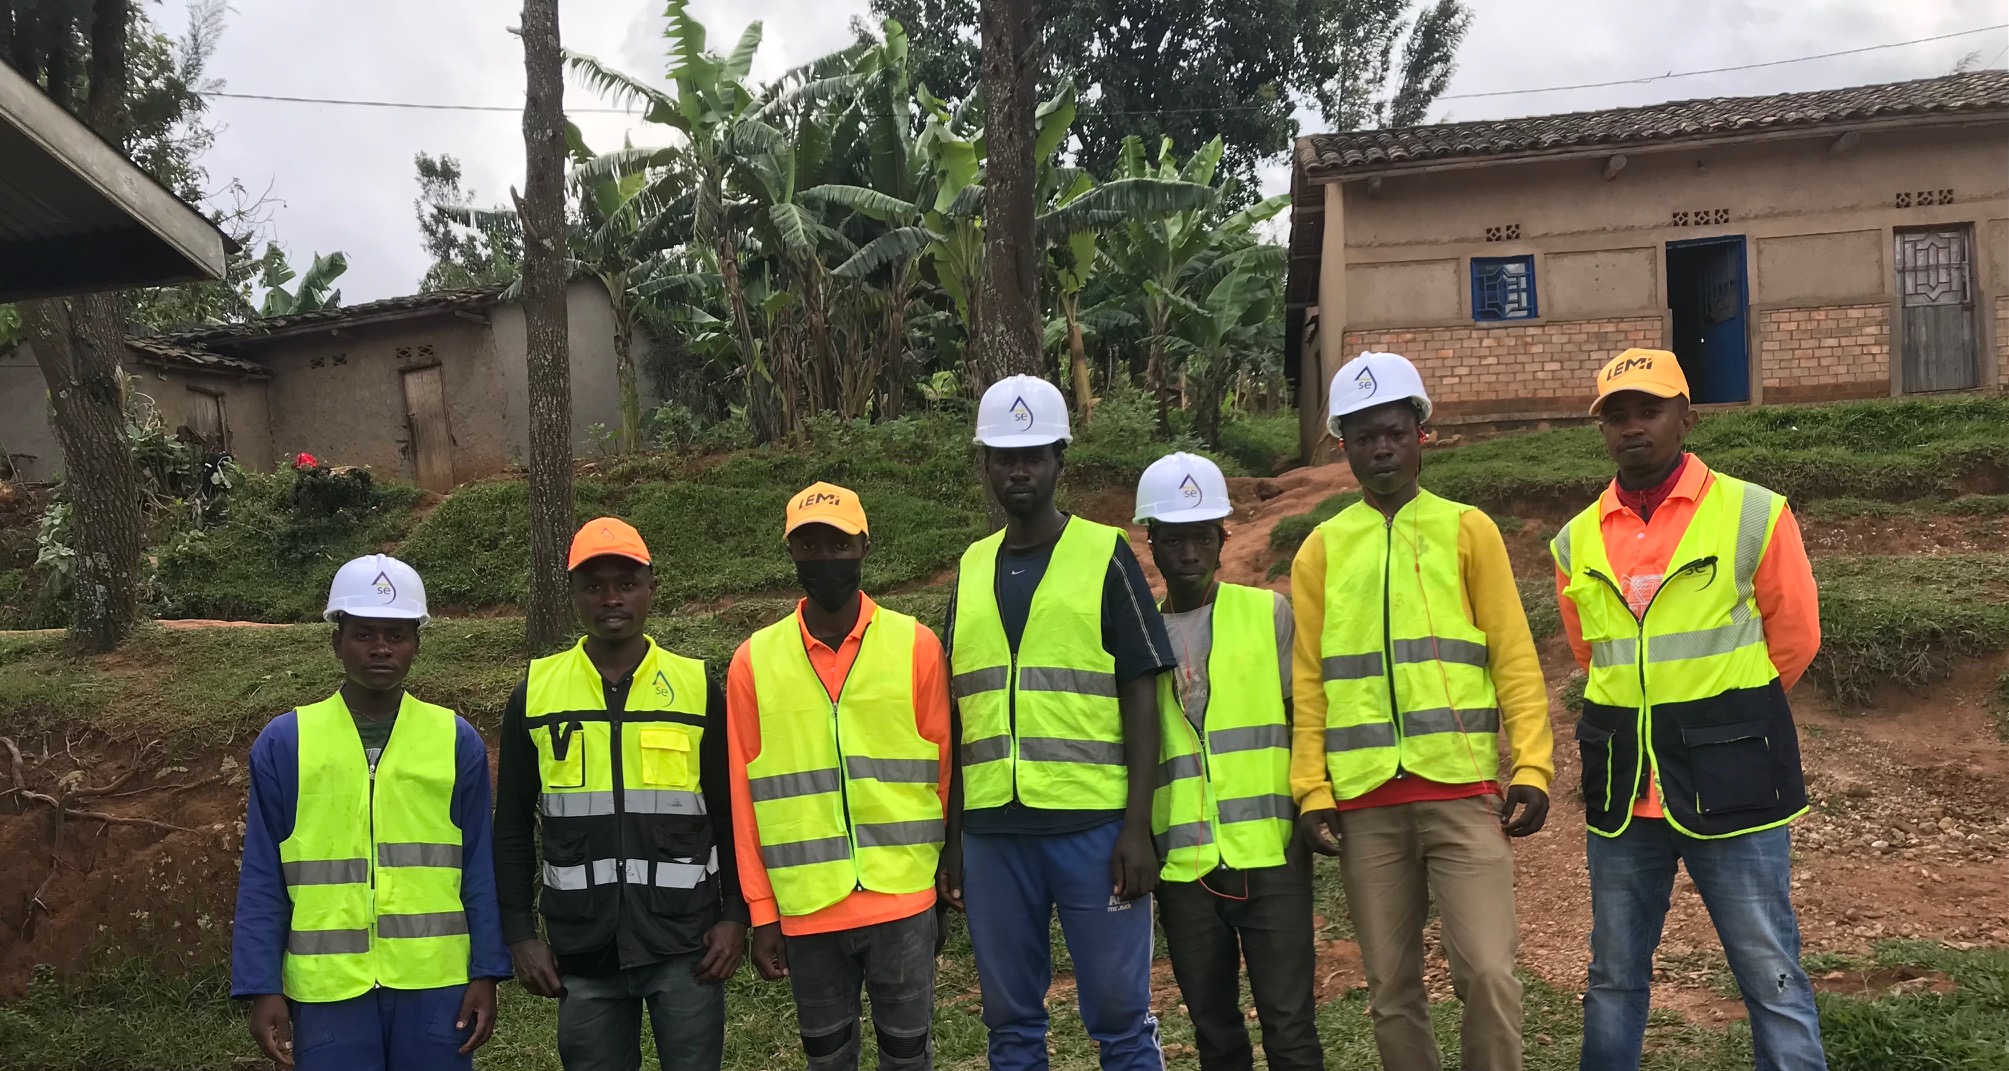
x: 829, y: 582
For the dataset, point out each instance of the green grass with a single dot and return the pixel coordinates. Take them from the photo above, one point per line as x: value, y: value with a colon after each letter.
x: 1261, y: 444
x: 1291, y: 531
x: 1847, y: 508
x: 1907, y: 619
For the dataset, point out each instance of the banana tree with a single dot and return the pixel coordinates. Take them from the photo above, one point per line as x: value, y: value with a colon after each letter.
x: 1215, y: 334
x: 315, y: 292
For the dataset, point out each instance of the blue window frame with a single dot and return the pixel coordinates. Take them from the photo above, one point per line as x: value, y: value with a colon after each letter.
x: 1503, y: 288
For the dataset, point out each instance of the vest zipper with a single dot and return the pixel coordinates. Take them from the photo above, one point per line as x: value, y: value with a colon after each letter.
x: 1388, y: 641
x: 1642, y: 727
x: 374, y: 982
x: 614, y: 734
x: 843, y: 773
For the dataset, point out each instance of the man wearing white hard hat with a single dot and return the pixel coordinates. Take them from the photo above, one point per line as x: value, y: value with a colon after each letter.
x: 1236, y: 883
x: 1054, y: 652
x: 1412, y: 658
x: 367, y: 933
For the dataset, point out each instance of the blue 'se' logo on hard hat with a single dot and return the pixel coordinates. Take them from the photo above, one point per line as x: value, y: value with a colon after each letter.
x: 383, y: 586
x: 662, y: 686
x: 1189, y: 489
x: 1364, y: 382
x: 1021, y: 413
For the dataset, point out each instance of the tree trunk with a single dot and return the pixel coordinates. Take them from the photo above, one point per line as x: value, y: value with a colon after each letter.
x: 78, y: 344
x: 1008, y: 328
x: 761, y: 416
x: 898, y: 298
x: 542, y: 208
x: 626, y: 381
x: 1154, y: 380
x: 1077, y: 353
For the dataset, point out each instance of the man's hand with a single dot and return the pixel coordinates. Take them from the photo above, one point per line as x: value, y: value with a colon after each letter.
x: 272, y: 1028
x: 477, y: 1012
x: 1133, y: 866
x: 725, y: 946
x: 770, y: 952
x: 1319, y: 830
x: 1533, y: 805
x: 949, y: 874
x: 536, y: 968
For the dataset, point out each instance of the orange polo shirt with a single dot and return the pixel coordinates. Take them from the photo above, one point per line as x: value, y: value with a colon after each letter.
x: 931, y: 717
x: 1640, y: 552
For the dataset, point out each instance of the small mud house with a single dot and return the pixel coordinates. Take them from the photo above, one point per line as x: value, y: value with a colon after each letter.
x: 433, y: 387
x: 1848, y: 243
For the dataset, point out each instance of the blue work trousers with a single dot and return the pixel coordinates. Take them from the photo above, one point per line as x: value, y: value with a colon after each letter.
x: 1746, y: 883
x: 1012, y: 885
x: 382, y: 1030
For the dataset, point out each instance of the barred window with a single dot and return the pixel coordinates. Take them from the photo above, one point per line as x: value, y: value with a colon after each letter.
x: 1503, y: 288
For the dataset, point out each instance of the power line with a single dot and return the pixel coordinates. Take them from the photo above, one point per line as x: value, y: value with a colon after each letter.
x: 418, y: 106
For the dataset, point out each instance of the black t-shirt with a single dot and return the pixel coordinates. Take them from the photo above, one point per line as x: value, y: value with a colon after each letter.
x: 1132, y: 632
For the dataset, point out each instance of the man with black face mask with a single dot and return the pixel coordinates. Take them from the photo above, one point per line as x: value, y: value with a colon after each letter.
x: 838, y: 721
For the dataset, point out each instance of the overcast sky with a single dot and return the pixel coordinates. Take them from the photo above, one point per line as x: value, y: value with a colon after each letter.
x: 343, y: 176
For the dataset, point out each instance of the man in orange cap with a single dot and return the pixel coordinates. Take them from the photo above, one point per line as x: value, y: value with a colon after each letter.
x: 839, y: 717
x: 1689, y: 602
x: 615, y: 750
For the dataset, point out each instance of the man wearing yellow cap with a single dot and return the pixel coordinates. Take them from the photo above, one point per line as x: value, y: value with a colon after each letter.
x: 614, y: 750
x: 1688, y: 599
x: 839, y: 718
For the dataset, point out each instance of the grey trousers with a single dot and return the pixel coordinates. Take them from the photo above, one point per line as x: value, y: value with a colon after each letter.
x: 600, y: 1019
x: 894, y: 962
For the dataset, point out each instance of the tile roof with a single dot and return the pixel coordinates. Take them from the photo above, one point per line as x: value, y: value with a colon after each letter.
x: 161, y: 352
x: 473, y: 297
x: 1361, y: 152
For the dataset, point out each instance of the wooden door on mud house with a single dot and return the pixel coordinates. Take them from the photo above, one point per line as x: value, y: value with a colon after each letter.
x: 1935, y: 286
x: 426, y: 424
x: 206, y: 421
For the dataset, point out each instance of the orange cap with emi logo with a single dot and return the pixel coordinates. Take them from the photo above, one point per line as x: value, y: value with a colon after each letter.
x: 827, y: 503
x: 1655, y: 372
x: 607, y: 535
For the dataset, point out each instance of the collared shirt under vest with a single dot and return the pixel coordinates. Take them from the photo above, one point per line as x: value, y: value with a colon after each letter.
x: 1404, y: 669
x: 1226, y: 801
x: 373, y: 865
x: 845, y: 788
x: 1040, y: 725
x: 1687, y: 687
x: 626, y: 835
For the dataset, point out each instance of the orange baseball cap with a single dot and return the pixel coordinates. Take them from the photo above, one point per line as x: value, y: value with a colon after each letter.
x: 827, y: 503
x: 1655, y: 372
x: 607, y: 535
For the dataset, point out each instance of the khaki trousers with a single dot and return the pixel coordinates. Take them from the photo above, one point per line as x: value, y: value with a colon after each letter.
x: 1392, y: 861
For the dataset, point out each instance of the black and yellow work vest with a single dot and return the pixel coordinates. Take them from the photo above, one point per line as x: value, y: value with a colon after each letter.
x: 622, y: 811
x: 1226, y: 800
x: 845, y: 790
x: 1687, y: 688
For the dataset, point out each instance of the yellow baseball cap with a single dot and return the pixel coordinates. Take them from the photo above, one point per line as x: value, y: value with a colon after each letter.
x: 1655, y: 372
x: 607, y: 535
x: 827, y: 503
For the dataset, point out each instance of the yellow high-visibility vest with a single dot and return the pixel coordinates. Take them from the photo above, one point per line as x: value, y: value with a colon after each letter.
x: 1688, y: 689
x: 846, y: 791
x: 1227, y: 800
x: 1042, y: 726
x: 1406, y: 686
x: 373, y: 863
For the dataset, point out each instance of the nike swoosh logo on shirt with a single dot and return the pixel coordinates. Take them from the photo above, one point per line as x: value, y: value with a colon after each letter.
x: 1016, y: 572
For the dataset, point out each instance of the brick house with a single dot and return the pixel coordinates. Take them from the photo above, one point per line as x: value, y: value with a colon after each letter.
x: 1846, y: 243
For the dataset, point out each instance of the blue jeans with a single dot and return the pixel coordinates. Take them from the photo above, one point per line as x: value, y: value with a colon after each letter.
x: 1012, y: 886
x: 382, y: 1030
x: 600, y: 1018
x: 1745, y: 883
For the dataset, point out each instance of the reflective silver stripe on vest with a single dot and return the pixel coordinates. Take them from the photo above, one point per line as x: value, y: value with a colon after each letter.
x: 1352, y: 667
x: 1185, y: 835
x: 326, y: 871
x: 1248, y: 738
x: 662, y: 801
x: 979, y: 681
x: 1446, y: 720
x: 418, y: 854
x: 1703, y: 643
x: 429, y: 924
x: 1077, y: 681
x: 1751, y: 522
x: 784, y: 786
x: 989, y: 749
x: 896, y: 834
x: 1619, y: 652
x: 805, y: 852
x: 635, y: 871
x: 1355, y: 737
x: 893, y: 771
x: 1561, y: 547
x: 1179, y: 768
x: 327, y: 942
x: 573, y: 878
x: 1441, y: 649
x: 680, y: 875
x: 1055, y: 749
x: 1257, y: 808
x: 575, y: 804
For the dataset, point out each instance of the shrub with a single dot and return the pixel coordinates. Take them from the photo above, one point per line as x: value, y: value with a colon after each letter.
x: 1291, y: 531
x: 1261, y: 445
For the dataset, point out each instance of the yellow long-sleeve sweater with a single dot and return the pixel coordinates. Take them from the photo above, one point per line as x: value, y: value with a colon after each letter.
x: 1493, y: 606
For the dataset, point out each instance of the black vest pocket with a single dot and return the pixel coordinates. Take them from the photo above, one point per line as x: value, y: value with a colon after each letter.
x: 1594, y: 747
x: 1731, y: 766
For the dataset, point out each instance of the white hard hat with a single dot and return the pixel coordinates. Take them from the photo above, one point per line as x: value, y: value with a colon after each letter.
x: 1022, y: 411
x: 1372, y: 379
x: 377, y: 585
x: 1182, y: 488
